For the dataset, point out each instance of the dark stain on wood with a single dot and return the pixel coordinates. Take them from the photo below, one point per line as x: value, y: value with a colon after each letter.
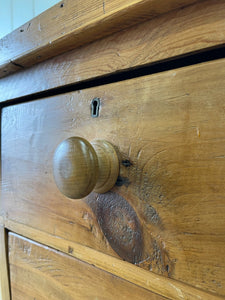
x: 126, y: 163
x: 70, y: 250
x: 120, y: 225
x: 122, y: 181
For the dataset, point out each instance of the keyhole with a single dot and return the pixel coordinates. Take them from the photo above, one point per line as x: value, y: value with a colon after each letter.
x: 95, y: 105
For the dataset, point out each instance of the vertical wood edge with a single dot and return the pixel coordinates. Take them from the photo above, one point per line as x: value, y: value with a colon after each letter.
x: 4, y: 274
x: 160, y: 285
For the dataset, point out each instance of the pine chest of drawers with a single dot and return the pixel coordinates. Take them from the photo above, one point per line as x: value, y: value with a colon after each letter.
x: 148, y: 77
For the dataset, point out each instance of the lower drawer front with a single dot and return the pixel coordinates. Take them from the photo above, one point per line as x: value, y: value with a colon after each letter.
x: 38, y: 272
x: 166, y: 213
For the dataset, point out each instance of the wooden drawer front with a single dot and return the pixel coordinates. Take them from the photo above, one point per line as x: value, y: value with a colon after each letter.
x: 166, y: 213
x: 38, y: 272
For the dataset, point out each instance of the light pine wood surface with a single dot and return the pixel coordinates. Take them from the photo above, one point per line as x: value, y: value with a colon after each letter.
x: 4, y: 280
x: 198, y: 27
x: 38, y: 272
x: 166, y: 287
x: 70, y: 24
x: 166, y: 213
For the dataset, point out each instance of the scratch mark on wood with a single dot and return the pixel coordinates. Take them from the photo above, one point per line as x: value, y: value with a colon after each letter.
x: 15, y: 64
x: 28, y: 26
x: 139, y: 154
x: 198, y: 132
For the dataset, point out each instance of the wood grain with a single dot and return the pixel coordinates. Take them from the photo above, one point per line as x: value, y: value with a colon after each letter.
x: 38, y: 272
x: 4, y: 280
x: 70, y: 24
x: 150, y: 281
x: 194, y: 28
x: 166, y: 214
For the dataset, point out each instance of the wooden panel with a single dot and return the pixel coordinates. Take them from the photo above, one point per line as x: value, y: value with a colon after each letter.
x: 194, y: 28
x: 38, y: 272
x: 4, y: 281
x: 155, y: 283
x: 70, y: 24
x: 169, y: 129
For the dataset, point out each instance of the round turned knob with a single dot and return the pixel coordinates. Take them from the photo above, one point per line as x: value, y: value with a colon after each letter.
x: 80, y: 167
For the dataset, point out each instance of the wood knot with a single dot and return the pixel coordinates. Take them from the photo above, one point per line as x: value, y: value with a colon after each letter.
x: 120, y: 225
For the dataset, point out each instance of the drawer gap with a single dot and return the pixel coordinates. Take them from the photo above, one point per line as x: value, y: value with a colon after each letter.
x: 158, y: 67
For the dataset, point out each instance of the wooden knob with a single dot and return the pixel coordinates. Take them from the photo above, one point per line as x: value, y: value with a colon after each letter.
x: 80, y: 167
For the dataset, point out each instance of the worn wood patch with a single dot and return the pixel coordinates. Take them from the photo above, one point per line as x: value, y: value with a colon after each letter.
x: 120, y: 225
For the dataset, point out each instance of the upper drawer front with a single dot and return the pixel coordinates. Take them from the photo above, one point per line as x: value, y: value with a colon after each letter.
x: 166, y: 213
